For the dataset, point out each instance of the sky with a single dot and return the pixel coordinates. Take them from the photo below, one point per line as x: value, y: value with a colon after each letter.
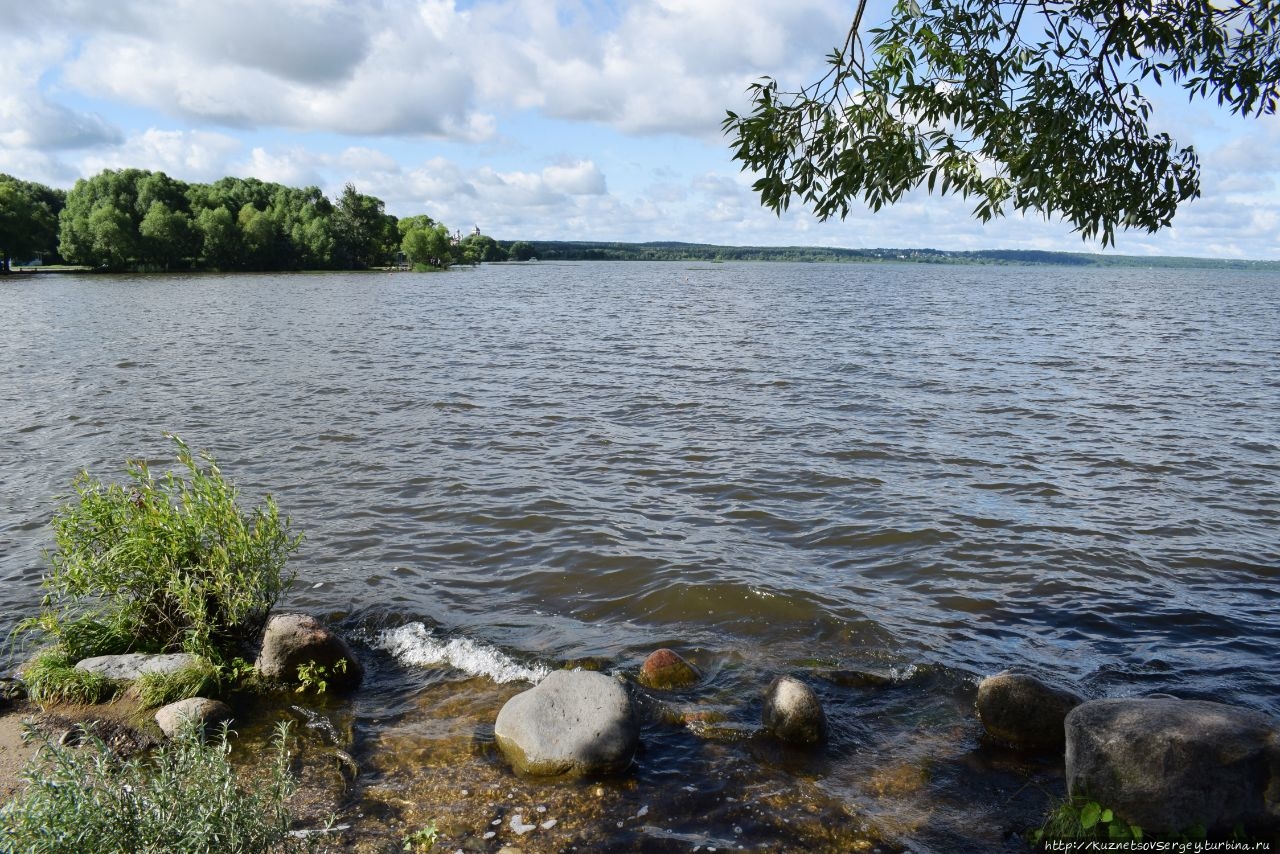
x: 531, y: 119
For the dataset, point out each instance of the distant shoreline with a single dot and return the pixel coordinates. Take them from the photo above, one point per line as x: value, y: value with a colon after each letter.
x: 553, y: 250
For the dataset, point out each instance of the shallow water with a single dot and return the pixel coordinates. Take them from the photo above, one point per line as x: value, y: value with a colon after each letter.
x: 929, y: 473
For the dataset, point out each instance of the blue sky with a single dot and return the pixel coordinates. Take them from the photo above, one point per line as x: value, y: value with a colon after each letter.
x: 533, y: 119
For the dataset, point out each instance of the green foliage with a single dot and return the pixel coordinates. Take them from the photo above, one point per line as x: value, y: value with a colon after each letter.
x: 51, y: 677
x: 520, y: 251
x: 28, y: 220
x: 185, y: 797
x: 163, y: 564
x: 313, y: 676
x: 1038, y: 112
x: 1080, y: 818
x: 1083, y: 819
x: 203, y: 679
x: 422, y: 839
x: 427, y: 244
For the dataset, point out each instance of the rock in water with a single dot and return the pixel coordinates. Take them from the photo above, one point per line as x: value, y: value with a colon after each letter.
x: 572, y: 723
x: 130, y: 666
x: 666, y: 670
x: 1023, y: 712
x: 793, y: 712
x: 1167, y: 765
x: 193, y: 711
x: 291, y: 641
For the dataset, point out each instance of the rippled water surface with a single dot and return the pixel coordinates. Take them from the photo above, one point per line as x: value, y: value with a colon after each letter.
x: 920, y: 473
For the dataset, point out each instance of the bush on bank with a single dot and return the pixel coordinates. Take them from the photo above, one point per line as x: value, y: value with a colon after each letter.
x: 158, y: 564
x: 183, y: 797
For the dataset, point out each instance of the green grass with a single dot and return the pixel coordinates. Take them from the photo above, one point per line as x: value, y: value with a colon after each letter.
x: 184, y: 797
x: 51, y: 677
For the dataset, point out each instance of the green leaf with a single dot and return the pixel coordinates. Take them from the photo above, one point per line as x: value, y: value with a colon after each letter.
x: 1089, y: 815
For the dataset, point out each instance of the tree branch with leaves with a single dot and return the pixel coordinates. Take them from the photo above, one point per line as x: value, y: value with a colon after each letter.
x: 1029, y: 105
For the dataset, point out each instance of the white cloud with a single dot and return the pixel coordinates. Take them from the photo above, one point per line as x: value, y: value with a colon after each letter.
x: 29, y: 118
x: 188, y: 155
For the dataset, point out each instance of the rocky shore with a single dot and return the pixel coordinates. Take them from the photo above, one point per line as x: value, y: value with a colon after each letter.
x: 561, y: 756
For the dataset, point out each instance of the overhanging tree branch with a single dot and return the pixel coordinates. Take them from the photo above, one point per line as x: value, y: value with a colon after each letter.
x: 956, y: 98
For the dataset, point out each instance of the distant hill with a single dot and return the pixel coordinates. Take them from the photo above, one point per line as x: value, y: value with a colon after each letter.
x: 583, y: 250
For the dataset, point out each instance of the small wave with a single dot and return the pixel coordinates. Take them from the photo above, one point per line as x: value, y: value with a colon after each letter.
x: 414, y: 644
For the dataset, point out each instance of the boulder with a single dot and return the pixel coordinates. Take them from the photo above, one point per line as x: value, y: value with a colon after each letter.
x: 193, y: 711
x: 572, y: 723
x: 666, y: 670
x: 291, y: 641
x: 793, y: 712
x: 128, y: 667
x: 1023, y: 712
x: 1167, y: 765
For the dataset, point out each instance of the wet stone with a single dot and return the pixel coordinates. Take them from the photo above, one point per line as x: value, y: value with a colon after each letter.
x: 1023, y: 712
x: 667, y: 670
x: 292, y: 641
x: 1167, y: 764
x: 793, y: 713
x: 573, y: 723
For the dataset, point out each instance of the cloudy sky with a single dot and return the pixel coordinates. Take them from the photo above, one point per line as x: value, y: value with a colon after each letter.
x: 535, y: 119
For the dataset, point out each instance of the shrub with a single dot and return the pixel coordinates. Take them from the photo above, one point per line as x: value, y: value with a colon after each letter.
x: 184, y: 798
x: 162, y: 564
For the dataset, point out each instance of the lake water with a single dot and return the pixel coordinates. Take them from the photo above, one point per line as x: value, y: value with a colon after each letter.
x: 923, y: 474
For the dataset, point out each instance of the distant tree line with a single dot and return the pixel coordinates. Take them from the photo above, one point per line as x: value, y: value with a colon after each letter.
x: 583, y: 250
x: 133, y: 219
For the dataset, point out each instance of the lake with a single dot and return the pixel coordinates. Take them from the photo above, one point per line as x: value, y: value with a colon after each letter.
x: 890, y: 480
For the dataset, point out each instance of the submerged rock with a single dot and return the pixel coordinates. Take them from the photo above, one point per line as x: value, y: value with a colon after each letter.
x: 1023, y: 712
x: 793, y: 712
x: 193, y: 711
x: 572, y: 723
x: 1167, y: 765
x: 291, y: 641
x: 666, y: 670
x: 130, y: 666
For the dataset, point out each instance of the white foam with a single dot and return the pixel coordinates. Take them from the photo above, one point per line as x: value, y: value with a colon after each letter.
x: 414, y: 644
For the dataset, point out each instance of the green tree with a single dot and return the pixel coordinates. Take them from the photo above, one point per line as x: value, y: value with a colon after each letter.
x: 1034, y: 106
x: 427, y: 244
x: 167, y: 235
x: 483, y: 248
x: 219, y: 238
x: 520, y: 250
x: 365, y: 234
x: 28, y: 220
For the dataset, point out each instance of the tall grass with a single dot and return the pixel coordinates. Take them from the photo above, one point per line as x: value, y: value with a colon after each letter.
x: 184, y: 797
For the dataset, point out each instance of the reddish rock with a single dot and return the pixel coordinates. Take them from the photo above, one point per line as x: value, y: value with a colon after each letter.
x: 293, y: 641
x: 665, y: 670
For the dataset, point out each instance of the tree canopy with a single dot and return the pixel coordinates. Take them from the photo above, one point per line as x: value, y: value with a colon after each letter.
x: 28, y: 220
x: 1034, y: 106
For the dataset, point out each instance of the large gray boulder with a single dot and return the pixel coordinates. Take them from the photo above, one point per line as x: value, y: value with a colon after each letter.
x: 1023, y: 712
x: 1167, y: 765
x: 573, y: 723
x: 291, y: 641
x: 192, y: 712
x: 793, y: 712
x: 130, y: 666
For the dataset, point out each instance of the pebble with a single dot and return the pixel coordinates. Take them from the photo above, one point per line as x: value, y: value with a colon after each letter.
x: 548, y: 824
x: 518, y: 825
x: 489, y: 834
